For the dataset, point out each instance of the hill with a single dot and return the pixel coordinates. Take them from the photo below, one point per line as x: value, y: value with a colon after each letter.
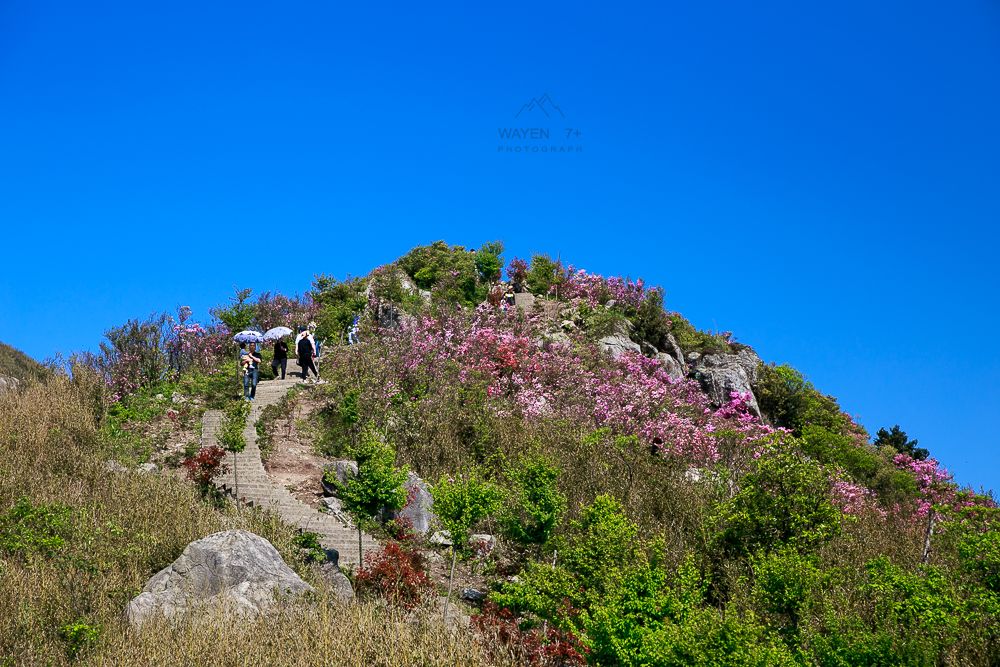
x: 643, y: 492
x: 18, y: 365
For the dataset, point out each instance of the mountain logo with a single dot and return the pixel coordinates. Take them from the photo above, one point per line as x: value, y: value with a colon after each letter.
x: 543, y: 104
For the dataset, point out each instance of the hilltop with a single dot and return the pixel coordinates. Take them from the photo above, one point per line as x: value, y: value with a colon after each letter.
x: 617, y: 487
x: 19, y: 367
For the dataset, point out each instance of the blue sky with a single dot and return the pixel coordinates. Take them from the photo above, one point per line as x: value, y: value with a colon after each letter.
x: 821, y: 180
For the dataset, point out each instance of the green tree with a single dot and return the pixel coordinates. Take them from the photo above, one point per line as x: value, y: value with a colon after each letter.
x: 898, y: 440
x: 535, y: 505
x: 239, y: 314
x: 460, y: 504
x: 378, y: 485
x: 489, y: 261
x: 783, y: 501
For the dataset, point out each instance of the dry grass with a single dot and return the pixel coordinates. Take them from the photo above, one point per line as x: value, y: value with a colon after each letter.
x: 125, y: 527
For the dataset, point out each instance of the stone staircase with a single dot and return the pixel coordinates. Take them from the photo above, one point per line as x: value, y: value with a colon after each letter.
x: 258, y: 490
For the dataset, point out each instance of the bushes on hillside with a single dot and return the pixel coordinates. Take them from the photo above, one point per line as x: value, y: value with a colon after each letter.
x: 790, y: 401
x: 454, y: 274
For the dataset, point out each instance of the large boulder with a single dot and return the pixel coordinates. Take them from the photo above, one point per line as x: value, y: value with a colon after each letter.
x: 419, y: 503
x: 672, y: 366
x: 722, y: 374
x: 524, y: 300
x: 338, y: 472
x: 618, y: 342
x: 234, y: 570
x: 8, y: 383
x: 674, y: 349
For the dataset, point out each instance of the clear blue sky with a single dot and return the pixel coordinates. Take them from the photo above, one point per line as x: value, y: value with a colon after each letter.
x: 822, y: 180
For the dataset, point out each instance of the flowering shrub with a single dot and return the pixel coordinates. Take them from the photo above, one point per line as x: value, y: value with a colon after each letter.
x: 395, y: 574
x: 192, y: 346
x: 517, y: 273
x: 274, y: 310
x: 501, y: 632
x: 205, y: 466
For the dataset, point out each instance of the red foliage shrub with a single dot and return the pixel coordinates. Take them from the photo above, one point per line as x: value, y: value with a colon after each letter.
x: 501, y: 631
x: 395, y: 573
x: 206, y: 465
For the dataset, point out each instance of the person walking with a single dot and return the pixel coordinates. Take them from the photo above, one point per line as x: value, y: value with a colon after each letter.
x: 280, y: 358
x: 251, y: 374
x: 352, y: 335
x: 305, y: 351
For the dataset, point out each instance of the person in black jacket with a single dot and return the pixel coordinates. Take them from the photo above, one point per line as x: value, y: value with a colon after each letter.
x: 280, y: 358
x: 305, y: 352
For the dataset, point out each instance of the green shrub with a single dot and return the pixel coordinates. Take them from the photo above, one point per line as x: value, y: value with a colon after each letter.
x: 535, y: 504
x: 28, y: 530
x: 544, y: 274
x: 693, y: 340
x: 864, y: 464
x: 489, y: 261
x: 451, y: 272
x: 234, y: 421
x: 339, y: 302
x: 650, y: 323
x: 898, y: 440
x: 782, y: 502
x: 462, y: 502
x: 791, y: 401
x: 379, y: 483
x: 239, y: 314
x: 312, y: 550
x: 784, y: 587
x: 78, y: 637
x: 650, y: 620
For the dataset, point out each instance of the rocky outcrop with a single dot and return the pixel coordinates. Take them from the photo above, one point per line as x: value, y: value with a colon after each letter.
x: 722, y: 374
x: 672, y: 366
x: 8, y: 383
x: 235, y: 571
x: 524, y: 300
x: 419, y: 503
x: 618, y: 342
x: 340, y: 585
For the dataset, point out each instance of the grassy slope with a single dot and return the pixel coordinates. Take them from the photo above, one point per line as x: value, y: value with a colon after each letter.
x: 108, y: 533
x: 14, y: 363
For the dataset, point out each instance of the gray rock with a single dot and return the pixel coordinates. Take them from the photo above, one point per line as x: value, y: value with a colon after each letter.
x: 177, y: 398
x: 339, y: 584
x: 675, y: 350
x: 555, y: 338
x: 148, y: 469
x: 335, y: 507
x: 115, y: 467
x: 693, y: 357
x: 722, y: 374
x: 473, y: 594
x: 693, y: 474
x: 618, y: 343
x: 8, y: 383
x: 441, y: 538
x: 749, y: 362
x: 234, y: 570
x: 454, y: 616
x: 419, y: 503
x: 331, y: 504
x: 343, y: 470
x: 672, y: 366
x: 524, y: 300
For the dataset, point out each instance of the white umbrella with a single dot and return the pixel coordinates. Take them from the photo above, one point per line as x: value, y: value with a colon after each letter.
x: 276, y: 333
x: 248, y: 336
